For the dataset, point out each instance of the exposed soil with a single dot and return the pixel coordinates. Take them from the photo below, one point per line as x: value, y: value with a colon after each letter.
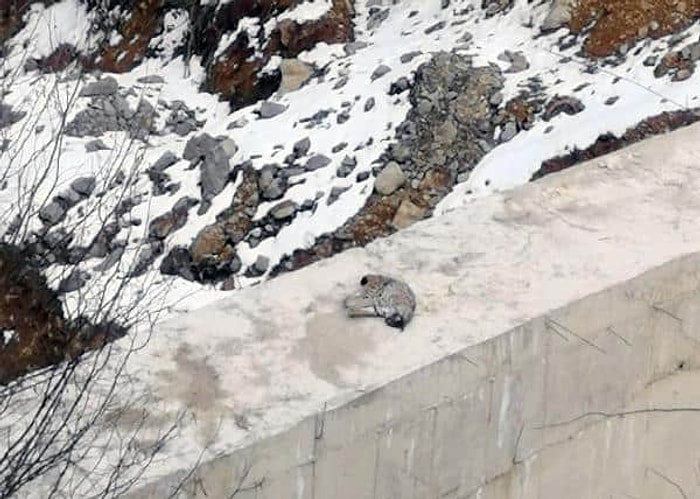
x: 608, y: 25
x: 656, y: 125
x: 236, y: 74
x: 34, y: 332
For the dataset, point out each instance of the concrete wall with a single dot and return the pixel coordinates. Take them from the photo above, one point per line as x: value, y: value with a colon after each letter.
x: 513, y: 417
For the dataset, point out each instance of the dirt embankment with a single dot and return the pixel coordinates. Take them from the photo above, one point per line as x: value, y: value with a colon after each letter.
x: 34, y: 332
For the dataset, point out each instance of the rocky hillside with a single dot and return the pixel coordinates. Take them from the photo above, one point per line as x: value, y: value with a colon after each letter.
x: 190, y: 143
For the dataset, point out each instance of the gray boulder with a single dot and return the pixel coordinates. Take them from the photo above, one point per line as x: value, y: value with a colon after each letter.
x: 216, y: 168
x: 105, y: 86
x: 269, y: 110
x: 150, y: 79
x: 95, y: 145
x: 316, y: 162
x: 197, y: 147
x: 389, y: 179
x: 84, y: 185
x: 285, y: 209
x: 301, y: 147
x: 166, y: 160
x: 74, y: 281
x: 380, y: 71
x: 52, y: 213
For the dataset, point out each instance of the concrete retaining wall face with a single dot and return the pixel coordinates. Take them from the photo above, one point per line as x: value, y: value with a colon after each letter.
x: 506, y: 418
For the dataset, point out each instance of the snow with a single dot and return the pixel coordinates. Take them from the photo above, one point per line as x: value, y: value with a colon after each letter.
x: 7, y: 336
x: 306, y: 11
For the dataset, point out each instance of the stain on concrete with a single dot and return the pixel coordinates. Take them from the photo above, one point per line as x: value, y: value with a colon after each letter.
x: 333, y: 342
x: 196, y: 385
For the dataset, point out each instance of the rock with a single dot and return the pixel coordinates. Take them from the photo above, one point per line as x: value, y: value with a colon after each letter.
x: 95, y: 145
x: 183, y: 205
x: 294, y: 74
x: 335, y: 193
x: 167, y: 223
x: 342, y: 117
x: 369, y: 104
x: 178, y: 262
x: 559, y: 104
x: 316, y: 162
x: 197, y: 147
x: 229, y: 284
x: 269, y: 110
x: 8, y: 116
x: 352, y: 47
x: 284, y: 210
x: 69, y: 198
x: 446, y: 133
x: 650, y: 61
x: 496, y: 99
x: 182, y: 120
x: 267, y: 175
x: 301, y: 147
x: 380, y: 71
x: 111, y: 259
x: 76, y: 280
x: 389, y: 179
x: 84, y: 186
x: 682, y: 74
x: 611, y: 100
x: 508, y: 132
x: 407, y: 214
x: 376, y: 17
x: 271, y: 186
x: 409, y: 56
x: 399, y: 86
x: 145, y: 258
x: 239, y: 123
x: 105, y: 86
x: 166, y: 160
x: 216, y: 168
x: 341, y: 82
x: 210, y: 241
x: 691, y: 51
x: 559, y: 15
x: 435, y: 27
x: 150, y: 79
x: 362, y: 176
x: 52, y: 213
x: 339, y: 147
x: 261, y: 264
x: 517, y: 60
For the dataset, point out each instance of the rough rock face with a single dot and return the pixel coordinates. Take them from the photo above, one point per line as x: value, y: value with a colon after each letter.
x: 448, y: 129
x: 235, y: 72
x: 610, y: 27
x: 110, y: 111
x: 38, y: 333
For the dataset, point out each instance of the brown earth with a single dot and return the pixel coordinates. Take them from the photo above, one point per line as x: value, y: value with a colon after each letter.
x: 41, y: 335
x: 609, y: 24
x: 236, y: 75
x: 655, y: 125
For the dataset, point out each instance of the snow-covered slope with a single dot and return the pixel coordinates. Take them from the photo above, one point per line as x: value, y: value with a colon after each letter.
x: 341, y: 123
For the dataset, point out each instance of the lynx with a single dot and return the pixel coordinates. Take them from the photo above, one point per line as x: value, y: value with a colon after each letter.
x: 385, y: 297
